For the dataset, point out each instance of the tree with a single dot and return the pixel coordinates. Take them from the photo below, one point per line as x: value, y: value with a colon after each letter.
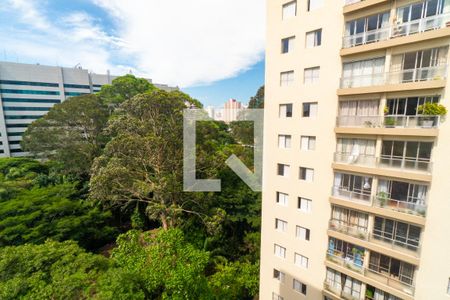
x: 124, y: 88
x: 168, y: 266
x: 52, y: 270
x: 257, y: 101
x: 143, y: 161
x: 71, y: 133
x: 36, y: 204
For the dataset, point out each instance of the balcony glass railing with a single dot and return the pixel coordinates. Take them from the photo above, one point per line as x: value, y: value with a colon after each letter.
x: 355, y: 195
x: 406, y: 164
x: 417, y: 208
x: 352, y: 230
x: 339, y: 292
x: 397, y: 30
x: 403, y: 76
x: 390, y: 121
x: 399, y: 243
x: 403, y: 283
x: 348, y: 260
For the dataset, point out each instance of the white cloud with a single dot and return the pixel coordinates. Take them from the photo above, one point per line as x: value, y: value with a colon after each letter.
x: 190, y: 42
x: 177, y: 42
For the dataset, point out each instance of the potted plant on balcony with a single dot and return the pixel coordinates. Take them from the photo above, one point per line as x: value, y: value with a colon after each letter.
x: 432, y: 110
x: 388, y: 121
x: 382, y: 198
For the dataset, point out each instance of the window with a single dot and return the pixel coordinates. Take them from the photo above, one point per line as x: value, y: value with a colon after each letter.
x: 299, y: 287
x: 289, y: 10
x: 314, y: 38
x: 286, y: 78
x: 282, y: 198
x: 302, y: 233
x: 278, y: 275
x: 307, y: 142
x: 310, y: 109
x: 314, y: 4
x: 363, y: 73
x: 21, y: 108
x: 275, y: 296
x: 279, y: 251
x: 28, y: 92
x: 349, y: 186
x: 30, y: 83
x: 406, y: 154
x: 406, y: 106
x: 283, y: 170
x: 402, y: 234
x: 307, y: 174
x: 301, y: 261
x: 280, y: 225
x: 76, y: 86
x: 284, y: 141
x: 20, y: 100
x: 304, y: 204
x: 366, y: 30
x: 383, y: 264
x: 311, y: 75
x: 285, y: 111
x: 287, y: 44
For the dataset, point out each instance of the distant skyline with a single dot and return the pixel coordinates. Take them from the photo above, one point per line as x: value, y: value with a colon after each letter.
x: 241, y: 87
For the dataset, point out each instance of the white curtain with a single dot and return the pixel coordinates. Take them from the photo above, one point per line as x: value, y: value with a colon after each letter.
x: 348, y: 108
x: 421, y: 194
x: 283, y: 110
x: 383, y: 186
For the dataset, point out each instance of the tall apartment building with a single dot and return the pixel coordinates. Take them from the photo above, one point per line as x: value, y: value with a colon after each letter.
x: 27, y: 92
x: 355, y: 204
x: 231, y: 110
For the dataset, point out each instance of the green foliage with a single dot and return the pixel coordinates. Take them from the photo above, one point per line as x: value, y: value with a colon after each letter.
x: 257, y: 101
x: 48, y: 271
x: 124, y: 88
x: 242, y: 131
x: 71, y: 133
x: 168, y: 266
x: 236, y: 280
x: 432, y: 109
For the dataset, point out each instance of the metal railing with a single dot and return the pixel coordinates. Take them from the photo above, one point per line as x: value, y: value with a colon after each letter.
x: 354, y: 231
x: 389, y: 121
x: 372, y: 36
x: 420, y: 25
x: 396, y: 77
x: 346, y: 260
x: 396, y: 30
x: 405, y: 163
x: 406, y: 285
x: 339, y: 292
x: 412, y: 208
x: 356, y: 196
x: 399, y: 243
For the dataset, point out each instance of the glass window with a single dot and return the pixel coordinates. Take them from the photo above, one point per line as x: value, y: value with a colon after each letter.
x: 307, y: 174
x: 283, y: 170
x: 29, y: 83
x: 280, y: 225
x: 282, y: 198
x: 289, y: 10
x: 286, y: 78
x: 311, y: 75
x: 28, y: 92
x: 285, y: 111
x: 310, y: 109
x: 287, y: 44
x: 314, y: 4
x: 314, y: 38
x: 275, y: 296
x: 278, y: 275
x: 308, y: 143
x: 279, y: 251
x: 301, y: 261
x: 284, y: 141
x: 23, y: 100
x: 299, y: 287
x: 305, y: 205
x: 302, y: 233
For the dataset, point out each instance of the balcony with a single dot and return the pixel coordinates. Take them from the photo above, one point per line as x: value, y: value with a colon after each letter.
x: 352, y: 260
x: 338, y: 292
x: 390, y: 280
x: 402, y: 163
x: 411, y: 208
x: 406, y: 245
x: 397, y: 30
x: 357, y: 196
x: 391, y: 78
x: 355, y: 231
x: 390, y: 121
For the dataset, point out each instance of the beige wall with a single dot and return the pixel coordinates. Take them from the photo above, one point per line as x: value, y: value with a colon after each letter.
x: 434, y: 262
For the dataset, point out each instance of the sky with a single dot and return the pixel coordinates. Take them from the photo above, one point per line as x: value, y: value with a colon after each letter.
x: 213, y: 50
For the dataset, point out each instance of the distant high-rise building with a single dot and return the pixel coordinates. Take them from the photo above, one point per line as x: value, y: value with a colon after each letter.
x: 231, y: 110
x: 354, y: 203
x: 27, y: 92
